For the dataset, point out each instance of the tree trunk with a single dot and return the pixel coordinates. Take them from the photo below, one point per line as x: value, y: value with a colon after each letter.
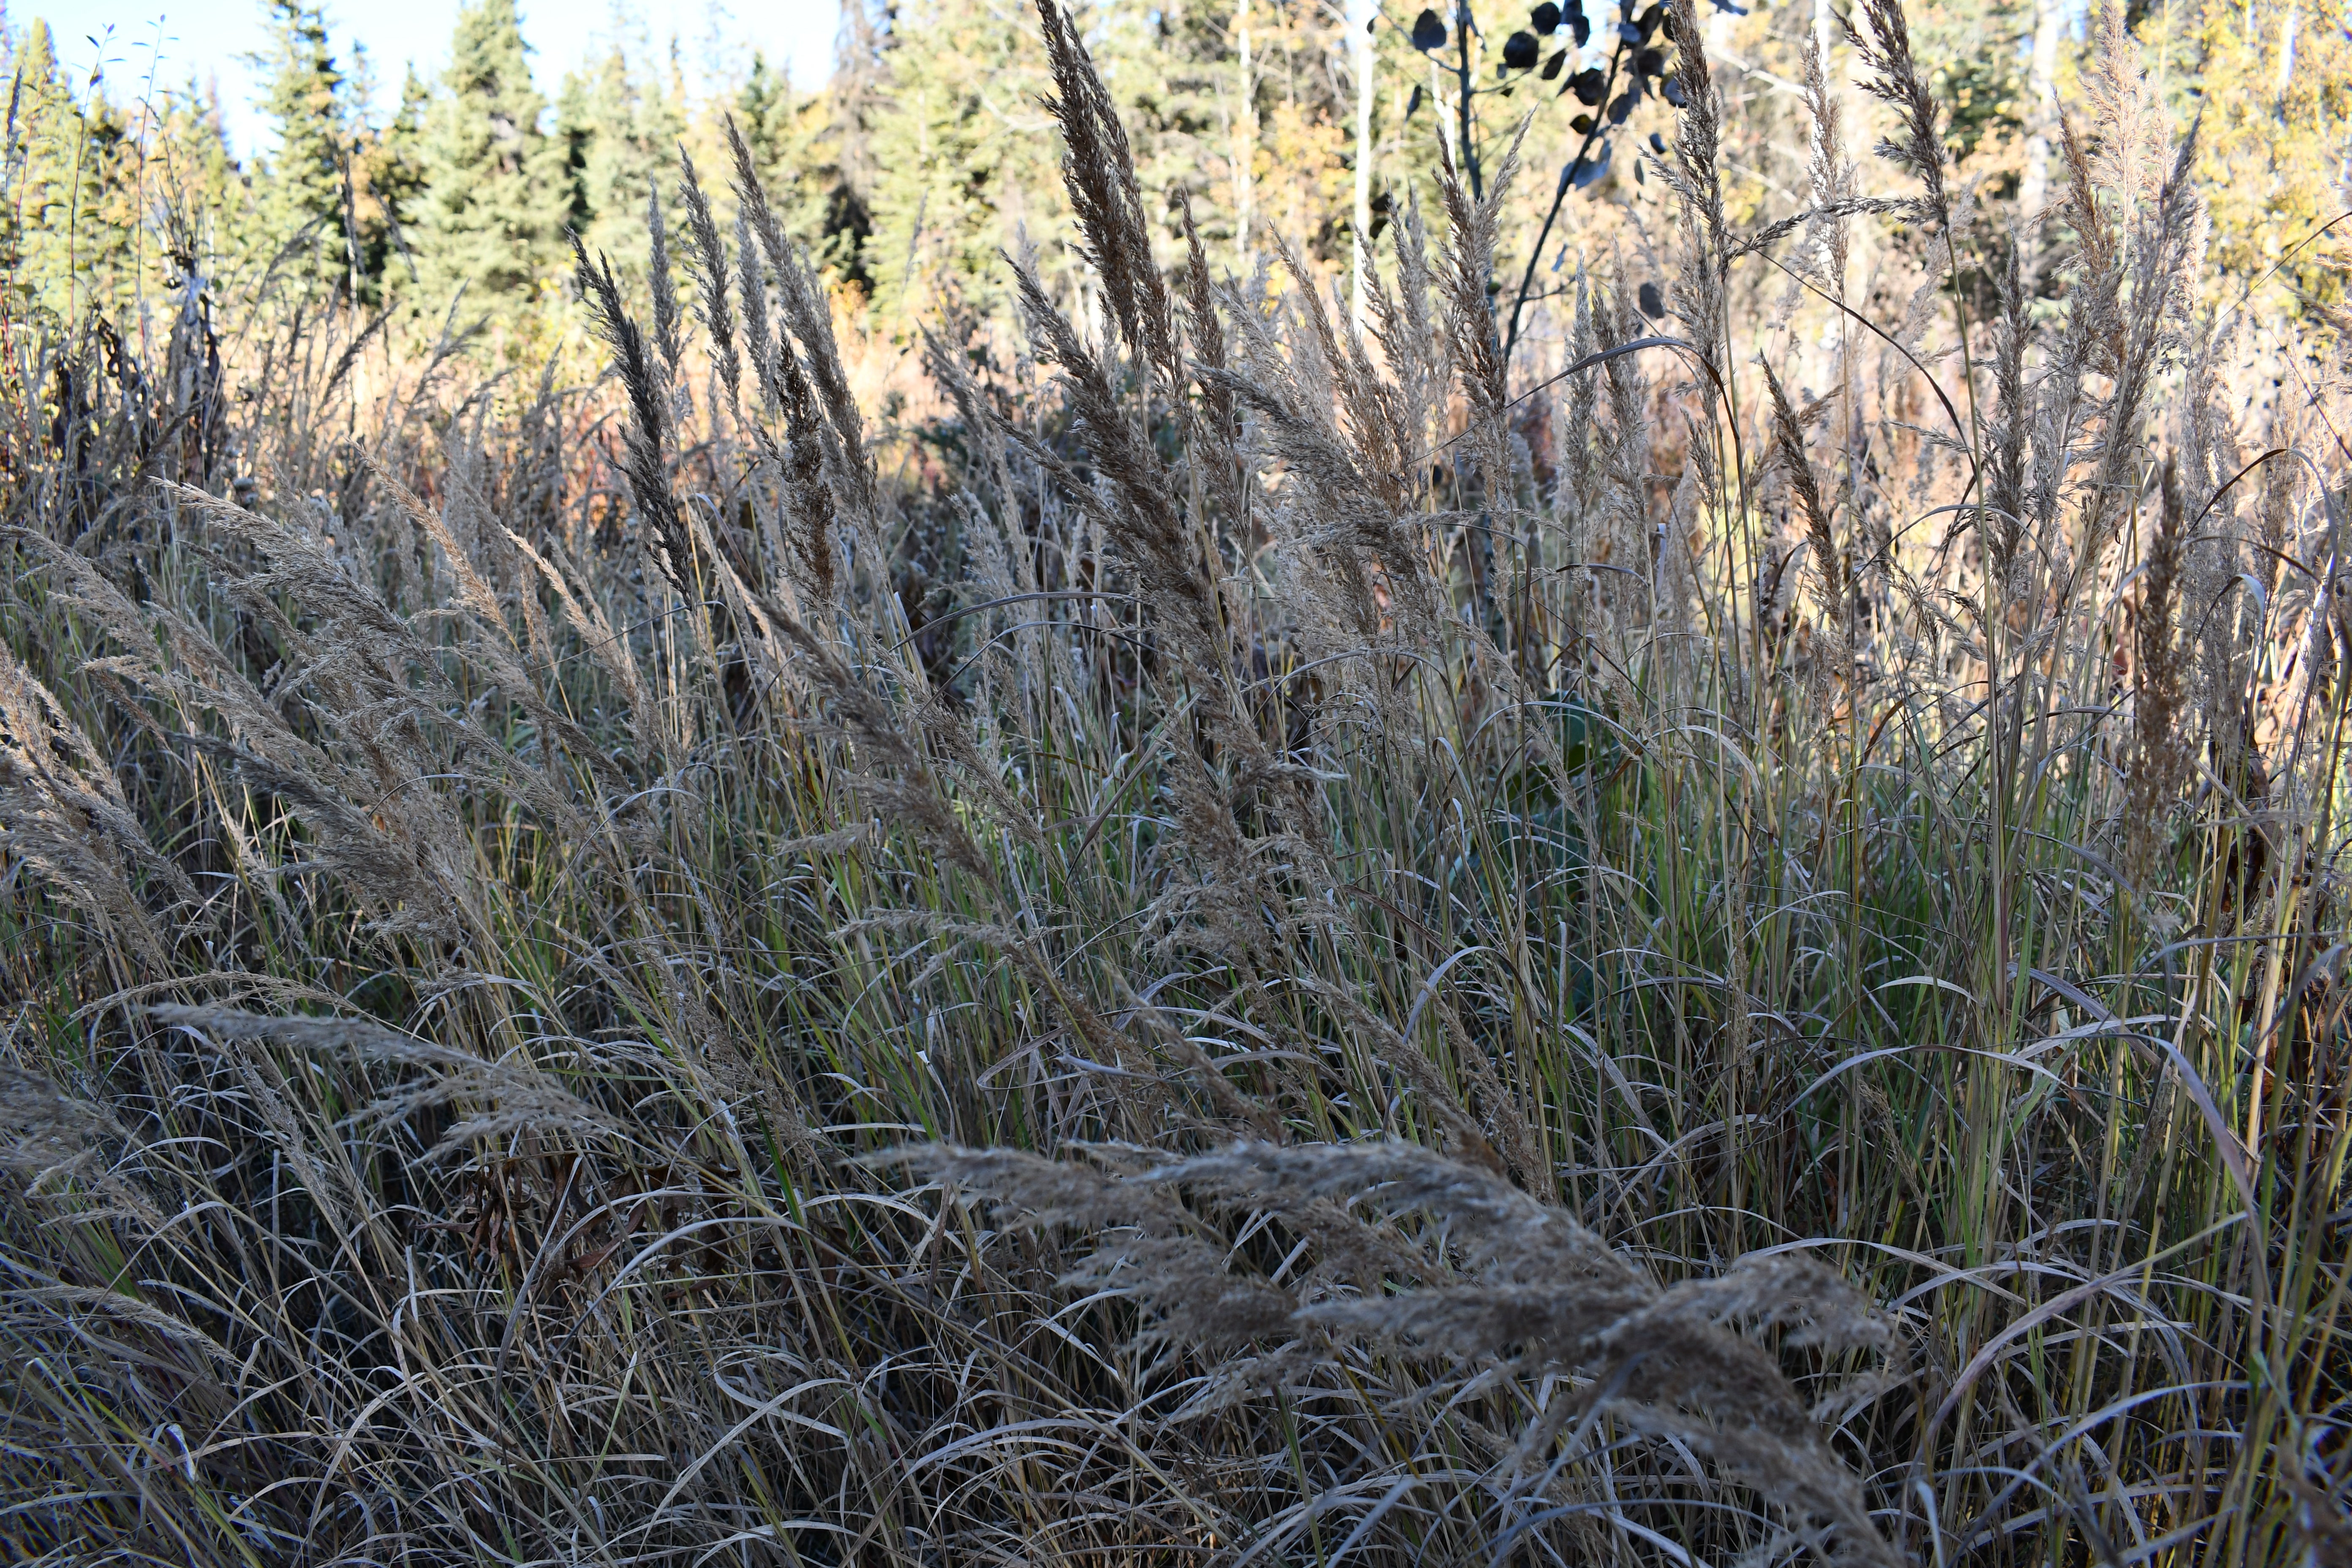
x: 2042, y: 81
x: 1244, y: 138
x: 1360, y: 16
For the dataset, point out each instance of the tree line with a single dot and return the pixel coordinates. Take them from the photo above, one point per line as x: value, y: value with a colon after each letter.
x: 927, y: 158
x: 466, y: 193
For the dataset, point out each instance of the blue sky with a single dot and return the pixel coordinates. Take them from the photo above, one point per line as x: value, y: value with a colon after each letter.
x: 205, y: 39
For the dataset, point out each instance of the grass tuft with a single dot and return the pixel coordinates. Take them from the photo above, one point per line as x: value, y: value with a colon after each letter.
x: 1272, y: 946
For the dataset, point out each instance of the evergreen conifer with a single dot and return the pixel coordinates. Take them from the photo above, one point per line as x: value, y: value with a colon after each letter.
x: 763, y: 111
x: 69, y: 223
x: 620, y: 141
x: 305, y: 197
x: 494, y: 203
x: 388, y: 190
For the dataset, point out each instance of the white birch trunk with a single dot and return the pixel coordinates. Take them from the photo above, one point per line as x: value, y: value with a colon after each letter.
x: 2042, y: 81
x: 1360, y: 15
x: 1244, y: 138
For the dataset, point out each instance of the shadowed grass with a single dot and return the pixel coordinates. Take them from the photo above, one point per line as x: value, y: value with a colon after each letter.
x: 1290, y: 957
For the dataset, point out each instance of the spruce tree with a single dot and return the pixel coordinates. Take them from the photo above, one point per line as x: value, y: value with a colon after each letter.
x: 791, y: 136
x: 38, y: 200
x: 72, y: 209
x: 860, y: 89
x: 494, y: 203
x: 580, y: 120
x: 200, y: 211
x: 387, y: 186
x: 953, y: 94
x: 307, y: 221
x: 764, y: 112
x: 618, y: 143
x: 396, y: 178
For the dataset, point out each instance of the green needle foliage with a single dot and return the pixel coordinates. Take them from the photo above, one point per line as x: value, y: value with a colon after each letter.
x: 495, y: 199
x: 1255, y: 942
x: 307, y: 198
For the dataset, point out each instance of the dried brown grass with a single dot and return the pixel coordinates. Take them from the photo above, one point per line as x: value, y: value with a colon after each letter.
x: 1252, y: 974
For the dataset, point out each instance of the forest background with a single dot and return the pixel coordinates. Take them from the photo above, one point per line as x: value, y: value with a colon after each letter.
x: 928, y: 157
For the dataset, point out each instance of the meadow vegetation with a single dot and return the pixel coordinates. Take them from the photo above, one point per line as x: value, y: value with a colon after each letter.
x: 1249, y: 929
